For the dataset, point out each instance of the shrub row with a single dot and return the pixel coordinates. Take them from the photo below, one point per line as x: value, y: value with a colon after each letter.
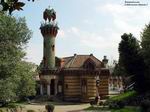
x: 145, y: 106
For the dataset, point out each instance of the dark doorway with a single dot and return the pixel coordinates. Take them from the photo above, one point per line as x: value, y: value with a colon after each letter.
x: 52, y: 87
x: 84, y: 87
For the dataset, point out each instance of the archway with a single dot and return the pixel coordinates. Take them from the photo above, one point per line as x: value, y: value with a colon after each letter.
x: 52, y: 87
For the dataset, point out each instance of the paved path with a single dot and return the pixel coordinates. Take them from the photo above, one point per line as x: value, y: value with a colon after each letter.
x: 58, y: 108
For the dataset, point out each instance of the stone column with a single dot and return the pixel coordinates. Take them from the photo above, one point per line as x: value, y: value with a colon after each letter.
x: 41, y: 89
x: 48, y: 90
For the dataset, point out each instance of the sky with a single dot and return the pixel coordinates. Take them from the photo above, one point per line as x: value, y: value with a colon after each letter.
x: 86, y: 26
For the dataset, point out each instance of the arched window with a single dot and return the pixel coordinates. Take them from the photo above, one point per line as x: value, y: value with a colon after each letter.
x: 89, y: 64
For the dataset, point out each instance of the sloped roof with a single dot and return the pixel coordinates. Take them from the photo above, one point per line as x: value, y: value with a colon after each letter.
x: 77, y: 61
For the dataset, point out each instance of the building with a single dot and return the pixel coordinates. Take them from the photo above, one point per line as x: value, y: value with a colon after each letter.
x: 78, y: 77
x: 116, y: 85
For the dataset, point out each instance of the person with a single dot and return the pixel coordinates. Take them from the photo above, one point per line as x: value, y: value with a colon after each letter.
x: 97, y: 99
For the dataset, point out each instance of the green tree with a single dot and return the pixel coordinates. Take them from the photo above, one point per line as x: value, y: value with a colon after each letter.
x: 131, y: 59
x: 14, y: 35
x: 119, y: 70
x: 145, y: 43
x: 26, y: 82
x: 7, y: 89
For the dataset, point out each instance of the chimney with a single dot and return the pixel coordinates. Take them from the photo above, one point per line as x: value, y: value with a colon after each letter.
x: 105, y: 61
x: 75, y: 54
x: 91, y: 54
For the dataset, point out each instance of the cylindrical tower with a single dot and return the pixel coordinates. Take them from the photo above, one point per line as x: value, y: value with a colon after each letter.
x: 49, y: 31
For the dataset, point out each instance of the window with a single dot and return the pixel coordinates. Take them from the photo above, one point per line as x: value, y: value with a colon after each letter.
x: 53, y: 47
x: 84, y: 86
x: 89, y: 64
x: 66, y: 86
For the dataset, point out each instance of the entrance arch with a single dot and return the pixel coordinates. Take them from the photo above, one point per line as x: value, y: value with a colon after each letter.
x: 52, y: 87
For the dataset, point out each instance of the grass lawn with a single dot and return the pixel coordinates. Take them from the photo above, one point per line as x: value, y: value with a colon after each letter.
x: 3, y: 109
x: 126, y: 109
x: 123, y: 96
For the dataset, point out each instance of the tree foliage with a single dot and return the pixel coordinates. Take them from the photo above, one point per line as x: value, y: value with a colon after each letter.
x: 11, y: 5
x: 7, y: 89
x: 145, y: 37
x: 132, y: 60
x: 26, y: 83
x: 16, y: 77
x: 14, y: 34
x: 119, y: 70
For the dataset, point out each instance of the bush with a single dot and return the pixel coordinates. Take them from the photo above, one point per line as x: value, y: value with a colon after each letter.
x: 30, y: 111
x: 50, y: 107
x: 12, y: 105
x: 145, y: 106
x: 101, y: 103
x: 116, y: 105
x: 121, y: 104
x: 113, y: 105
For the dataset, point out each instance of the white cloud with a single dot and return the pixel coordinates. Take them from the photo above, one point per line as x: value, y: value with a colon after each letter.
x: 93, y: 41
x: 126, y: 19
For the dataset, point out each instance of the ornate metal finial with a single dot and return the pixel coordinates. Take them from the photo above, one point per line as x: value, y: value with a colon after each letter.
x: 49, y: 14
x: 49, y: 7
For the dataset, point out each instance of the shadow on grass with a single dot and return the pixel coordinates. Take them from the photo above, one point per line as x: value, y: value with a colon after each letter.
x: 97, y: 108
x: 55, y: 103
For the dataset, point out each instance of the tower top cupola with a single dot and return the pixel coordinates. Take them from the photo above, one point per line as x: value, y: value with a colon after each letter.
x: 49, y: 27
x: 105, y: 61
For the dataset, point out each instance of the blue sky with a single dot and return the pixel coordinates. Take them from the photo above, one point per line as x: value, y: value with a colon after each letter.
x: 86, y: 26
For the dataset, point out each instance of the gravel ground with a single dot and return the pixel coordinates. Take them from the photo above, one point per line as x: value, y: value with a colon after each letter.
x: 58, y: 108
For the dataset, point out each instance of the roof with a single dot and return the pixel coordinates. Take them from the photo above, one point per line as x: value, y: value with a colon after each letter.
x: 77, y: 61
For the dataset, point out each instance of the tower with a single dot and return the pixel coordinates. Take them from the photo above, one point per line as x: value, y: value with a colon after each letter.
x: 49, y: 31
